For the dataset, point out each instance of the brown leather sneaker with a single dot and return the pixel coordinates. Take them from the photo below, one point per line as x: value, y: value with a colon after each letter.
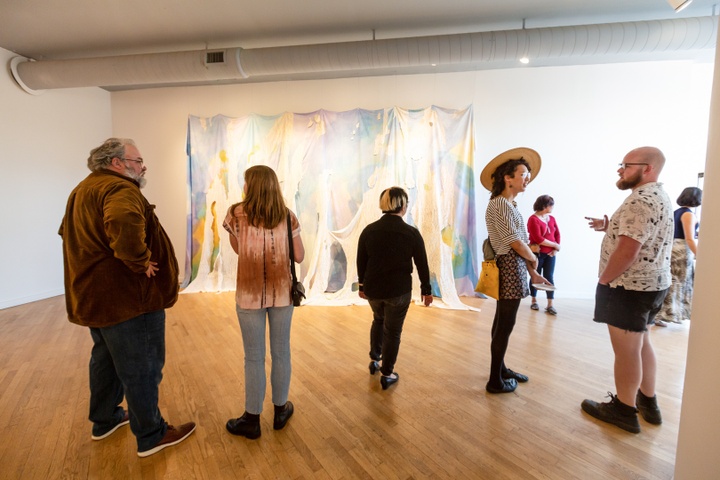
x: 173, y: 436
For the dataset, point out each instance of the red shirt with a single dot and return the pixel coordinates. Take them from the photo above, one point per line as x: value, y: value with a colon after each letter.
x: 538, y: 231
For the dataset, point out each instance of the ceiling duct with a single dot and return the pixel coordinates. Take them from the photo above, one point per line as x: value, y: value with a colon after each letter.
x: 585, y: 44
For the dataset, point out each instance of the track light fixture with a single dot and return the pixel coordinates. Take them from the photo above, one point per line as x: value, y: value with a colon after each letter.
x: 679, y: 4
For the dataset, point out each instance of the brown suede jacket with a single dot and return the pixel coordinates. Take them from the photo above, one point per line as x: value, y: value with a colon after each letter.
x: 110, y: 234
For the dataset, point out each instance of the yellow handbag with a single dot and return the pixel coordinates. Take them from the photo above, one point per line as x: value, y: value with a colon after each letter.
x: 489, y: 281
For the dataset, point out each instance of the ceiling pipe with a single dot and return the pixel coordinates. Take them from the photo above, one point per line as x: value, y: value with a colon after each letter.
x: 585, y: 44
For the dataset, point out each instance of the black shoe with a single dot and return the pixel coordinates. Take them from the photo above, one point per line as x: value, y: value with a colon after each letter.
x: 517, y: 376
x: 648, y: 408
x: 389, y: 380
x: 509, y: 385
x: 282, y: 415
x: 246, y: 426
x: 615, y: 412
x: 374, y: 367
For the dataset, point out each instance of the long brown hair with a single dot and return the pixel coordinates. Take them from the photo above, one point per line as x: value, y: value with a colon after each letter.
x: 263, y: 203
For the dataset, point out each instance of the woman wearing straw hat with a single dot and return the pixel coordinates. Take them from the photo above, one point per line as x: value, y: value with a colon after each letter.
x: 506, y: 176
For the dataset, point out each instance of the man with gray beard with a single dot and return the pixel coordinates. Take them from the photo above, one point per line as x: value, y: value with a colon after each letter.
x: 634, y: 278
x: 120, y: 275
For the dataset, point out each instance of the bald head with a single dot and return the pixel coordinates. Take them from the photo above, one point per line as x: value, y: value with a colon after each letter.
x: 650, y: 155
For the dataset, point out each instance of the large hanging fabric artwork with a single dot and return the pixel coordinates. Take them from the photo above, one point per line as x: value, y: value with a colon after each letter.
x: 332, y: 167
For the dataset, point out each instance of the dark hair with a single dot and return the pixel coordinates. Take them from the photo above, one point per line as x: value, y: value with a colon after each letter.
x: 507, y: 168
x: 393, y: 200
x: 542, y: 202
x: 690, y: 197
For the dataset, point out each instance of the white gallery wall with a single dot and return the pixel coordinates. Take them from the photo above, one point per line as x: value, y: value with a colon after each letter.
x: 44, y: 142
x: 582, y: 120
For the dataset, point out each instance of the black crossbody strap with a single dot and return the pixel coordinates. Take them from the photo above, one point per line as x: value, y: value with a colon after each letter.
x: 292, y: 253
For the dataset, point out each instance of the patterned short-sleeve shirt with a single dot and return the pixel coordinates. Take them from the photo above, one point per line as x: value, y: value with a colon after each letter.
x: 646, y: 216
x: 263, y: 274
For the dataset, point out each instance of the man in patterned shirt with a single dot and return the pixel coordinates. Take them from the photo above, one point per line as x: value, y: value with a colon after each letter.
x: 634, y: 277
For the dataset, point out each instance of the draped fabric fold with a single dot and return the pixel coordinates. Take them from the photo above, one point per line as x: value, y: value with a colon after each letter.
x: 332, y: 167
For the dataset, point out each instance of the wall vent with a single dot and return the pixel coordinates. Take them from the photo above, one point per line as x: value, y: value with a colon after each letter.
x: 215, y: 57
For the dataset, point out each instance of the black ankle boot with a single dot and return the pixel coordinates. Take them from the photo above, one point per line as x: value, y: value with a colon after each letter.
x: 614, y: 412
x: 246, y: 426
x: 648, y: 408
x: 282, y: 415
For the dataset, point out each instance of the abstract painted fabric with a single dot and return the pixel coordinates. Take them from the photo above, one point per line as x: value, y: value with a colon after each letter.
x: 332, y: 167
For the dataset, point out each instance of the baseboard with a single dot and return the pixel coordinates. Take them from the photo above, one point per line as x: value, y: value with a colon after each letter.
x: 14, y: 302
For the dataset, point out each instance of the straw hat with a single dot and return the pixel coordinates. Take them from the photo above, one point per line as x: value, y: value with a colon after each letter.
x: 527, y: 154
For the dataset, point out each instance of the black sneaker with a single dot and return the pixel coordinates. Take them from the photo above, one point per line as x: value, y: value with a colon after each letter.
x: 648, y: 408
x: 615, y: 412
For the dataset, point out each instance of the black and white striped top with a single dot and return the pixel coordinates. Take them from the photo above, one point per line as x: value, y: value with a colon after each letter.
x: 504, y: 224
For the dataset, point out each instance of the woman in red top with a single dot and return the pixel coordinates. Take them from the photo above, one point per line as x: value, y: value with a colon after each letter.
x: 543, y: 231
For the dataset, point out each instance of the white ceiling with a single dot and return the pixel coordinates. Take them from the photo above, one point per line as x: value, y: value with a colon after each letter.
x: 64, y: 29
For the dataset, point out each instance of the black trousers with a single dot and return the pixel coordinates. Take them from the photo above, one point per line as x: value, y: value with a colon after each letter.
x: 503, y: 324
x: 388, y: 319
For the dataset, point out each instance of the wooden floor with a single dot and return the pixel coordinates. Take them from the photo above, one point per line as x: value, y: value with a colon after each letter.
x: 437, y: 422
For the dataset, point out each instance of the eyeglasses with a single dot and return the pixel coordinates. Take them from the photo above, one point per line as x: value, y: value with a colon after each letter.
x: 139, y: 160
x: 625, y: 165
x: 526, y: 175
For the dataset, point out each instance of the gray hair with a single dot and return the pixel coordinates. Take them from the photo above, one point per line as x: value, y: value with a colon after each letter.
x: 101, y: 157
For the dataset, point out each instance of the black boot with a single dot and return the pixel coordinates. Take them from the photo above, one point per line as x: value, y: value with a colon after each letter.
x: 615, y: 412
x: 246, y: 426
x: 282, y: 415
x: 648, y: 408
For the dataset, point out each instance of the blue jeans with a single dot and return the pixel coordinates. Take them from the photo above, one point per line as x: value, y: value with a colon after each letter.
x: 127, y: 359
x: 252, y: 326
x: 546, y: 268
x: 388, y: 319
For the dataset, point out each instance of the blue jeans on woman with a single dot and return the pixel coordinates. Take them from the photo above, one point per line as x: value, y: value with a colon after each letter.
x: 127, y: 359
x: 252, y: 325
x: 388, y: 318
x: 546, y: 268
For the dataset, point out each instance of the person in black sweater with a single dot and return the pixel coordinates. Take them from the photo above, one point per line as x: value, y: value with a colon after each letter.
x: 387, y: 249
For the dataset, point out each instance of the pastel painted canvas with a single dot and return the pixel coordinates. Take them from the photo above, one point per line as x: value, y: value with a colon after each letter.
x: 332, y: 167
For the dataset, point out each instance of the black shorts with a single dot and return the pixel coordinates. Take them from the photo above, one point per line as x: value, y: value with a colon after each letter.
x: 627, y: 309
